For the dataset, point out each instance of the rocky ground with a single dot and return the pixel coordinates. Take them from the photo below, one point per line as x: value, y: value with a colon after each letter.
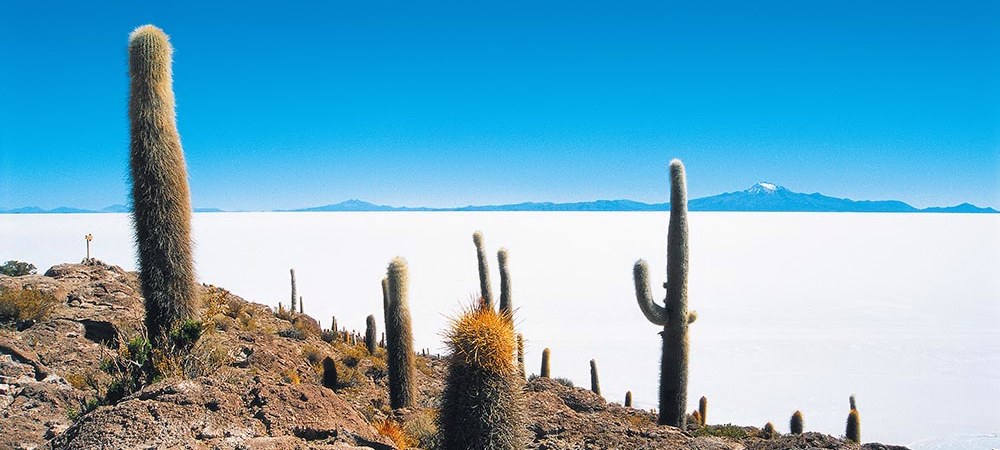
x: 253, y: 382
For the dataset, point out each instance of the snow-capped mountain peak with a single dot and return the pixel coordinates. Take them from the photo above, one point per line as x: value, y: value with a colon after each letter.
x: 764, y: 187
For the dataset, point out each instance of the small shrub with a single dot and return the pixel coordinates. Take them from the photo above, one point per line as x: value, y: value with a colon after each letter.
x: 422, y: 427
x: 312, y: 354
x: 26, y: 304
x: 292, y: 333
x: 291, y: 376
x: 284, y: 314
x: 727, y: 430
x: 563, y: 381
x: 17, y: 268
x: 328, y: 336
x: 130, y: 369
x: 390, y: 429
x: 186, y: 335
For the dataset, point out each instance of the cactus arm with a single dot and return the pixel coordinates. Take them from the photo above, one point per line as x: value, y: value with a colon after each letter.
x: 692, y: 316
x: 653, y: 312
x: 484, y: 270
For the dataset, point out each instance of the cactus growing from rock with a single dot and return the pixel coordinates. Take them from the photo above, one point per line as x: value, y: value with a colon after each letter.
x: 399, y: 335
x: 505, y: 299
x: 484, y: 271
x: 703, y: 410
x: 544, y: 373
x: 769, y: 432
x: 333, y: 326
x: 161, y: 199
x: 595, y: 382
x: 370, y: 334
x: 294, y: 296
x: 329, y: 373
x: 795, y: 425
x: 520, y: 354
x: 853, y: 431
x: 628, y: 399
x: 481, y: 408
x: 673, y: 316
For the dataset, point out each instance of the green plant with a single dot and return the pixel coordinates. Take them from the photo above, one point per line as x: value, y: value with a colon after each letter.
x: 21, y: 305
x: 703, y: 410
x: 161, y: 200
x: 544, y: 372
x: 796, y: 423
x: 854, y: 426
x: 595, y: 382
x: 370, y: 334
x: 130, y: 369
x: 673, y: 316
x: 17, y: 268
x: 399, y: 334
x: 506, y: 303
x: 481, y: 406
x: 628, y: 399
x: 329, y: 373
x: 186, y: 335
x: 486, y: 292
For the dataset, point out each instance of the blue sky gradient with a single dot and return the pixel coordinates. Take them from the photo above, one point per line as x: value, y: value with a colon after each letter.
x: 454, y: 103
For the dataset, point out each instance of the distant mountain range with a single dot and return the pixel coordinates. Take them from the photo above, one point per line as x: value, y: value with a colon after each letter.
x: 759, y: 197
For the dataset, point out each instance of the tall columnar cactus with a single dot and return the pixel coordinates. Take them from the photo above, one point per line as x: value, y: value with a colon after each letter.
x: 673, y: 316
x: 484, y: 270
x: 628, y: 399
x: 853, y: 431
x: 399, y: 335
x: 161, y: 200
x: 520, y: 354
x: 294, y: 295
x: 481, y: 406
x: 370, y: 334
x: 545, y: 364
x: 505, y: 299
x: 595, y: 382
x: 703, y: 410
x: 329, y: 373
x: 796, y: 423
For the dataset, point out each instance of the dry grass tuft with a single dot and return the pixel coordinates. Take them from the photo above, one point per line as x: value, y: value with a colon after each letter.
x: 18, y: 305
x: 391, y: 429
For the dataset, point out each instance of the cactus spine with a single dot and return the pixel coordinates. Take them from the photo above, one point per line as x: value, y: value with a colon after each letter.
x: 854, y: 427
x: 520, y: 354
x: 545, y: 364
x: 796, y: 423
x: 703, y: 410
x: 484, y: 271
x: 370, y: 334
x: 400, y: 336
x: 628, y: 399
x: 294, y: 296
x: 673, y: 316
x: 481, y: 408
x: 161, y: 200
x: 329, y: 373
x: 595, y: 382
x: 505, y: 299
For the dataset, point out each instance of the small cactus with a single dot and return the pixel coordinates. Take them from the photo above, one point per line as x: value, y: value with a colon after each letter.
x: 294, y: 295
x: 333, y: 325
x: 595, y: 382
x: 853, y: 431
x: 505, y: 299
x: 370, y: 334
x: 703, y: 410
x: 674, y: 315
x: 302, y: 308
x: 545, y: 364
x: 481, y: 405
x: 329, y: 373
x: 796, y: 423
x: 695, y: 418
x: 400, y: 336
x: 161, y: 199
x: 769, y: 432
x: 520, y: 355
x: 484, y: 271
x: 628, y: 399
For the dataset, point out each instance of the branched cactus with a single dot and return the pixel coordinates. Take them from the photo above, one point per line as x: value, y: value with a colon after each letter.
x: 484, y: 270
x: 703, y: 410
x: 370, y: 334
x: 329, y: 373
x: 520, y: 354
x: 545, y: 373
x: 628, y: 399
x: 795, y: 425
x: 481, y: 408
x: 505, y: 299
x: 161, y: 200
x: 595, y: 382
x: 853, y: 431
x: 294, y: 295
x: 400, y: 336
x: 673, y: 316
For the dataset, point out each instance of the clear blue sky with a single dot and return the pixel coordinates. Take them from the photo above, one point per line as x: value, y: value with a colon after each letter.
x: 442, y: 103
